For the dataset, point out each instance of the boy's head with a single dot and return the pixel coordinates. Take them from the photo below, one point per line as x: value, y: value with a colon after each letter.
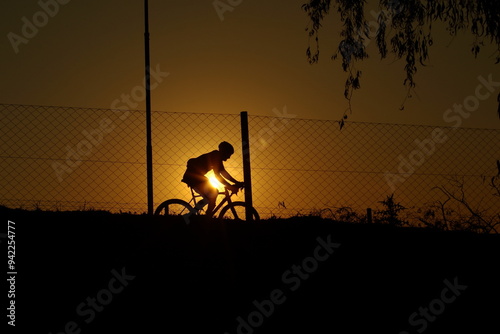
x: 226, y: 150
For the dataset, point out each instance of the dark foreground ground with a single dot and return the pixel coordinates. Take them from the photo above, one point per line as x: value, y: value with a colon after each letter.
x: 100, y: 273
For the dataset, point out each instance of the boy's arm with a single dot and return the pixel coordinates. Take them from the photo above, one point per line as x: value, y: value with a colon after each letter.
x: 228, y: 176
x: 221, y: 174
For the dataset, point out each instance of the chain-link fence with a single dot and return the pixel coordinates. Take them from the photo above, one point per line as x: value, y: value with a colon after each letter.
x: 80, y: 158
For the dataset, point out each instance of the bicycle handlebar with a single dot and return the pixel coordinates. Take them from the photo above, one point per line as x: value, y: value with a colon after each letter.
x: 230, y: 191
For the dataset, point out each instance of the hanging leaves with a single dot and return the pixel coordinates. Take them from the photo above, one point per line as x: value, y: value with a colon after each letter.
x: 406, y: 25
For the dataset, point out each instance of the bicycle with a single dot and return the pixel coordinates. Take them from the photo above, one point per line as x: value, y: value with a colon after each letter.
x: 235, y: 210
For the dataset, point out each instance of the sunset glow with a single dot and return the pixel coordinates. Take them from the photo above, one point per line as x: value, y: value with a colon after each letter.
x: 213, y: 180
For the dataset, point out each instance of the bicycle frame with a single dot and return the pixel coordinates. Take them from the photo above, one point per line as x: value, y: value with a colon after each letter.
x: 227, y: 198
x: 180, y: 207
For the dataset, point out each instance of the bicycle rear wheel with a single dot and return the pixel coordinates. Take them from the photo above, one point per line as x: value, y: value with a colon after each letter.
x: 174, y: 207
x: 237, y: 211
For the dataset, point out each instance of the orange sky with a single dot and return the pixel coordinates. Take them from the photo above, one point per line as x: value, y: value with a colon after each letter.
x: 91, y: 52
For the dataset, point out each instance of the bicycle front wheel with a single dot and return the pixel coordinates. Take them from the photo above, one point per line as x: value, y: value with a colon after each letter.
x: 237, y: 211
x: 174, y: 207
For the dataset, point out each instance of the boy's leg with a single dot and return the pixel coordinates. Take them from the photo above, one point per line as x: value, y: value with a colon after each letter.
x: 211, y: 206
x: 209, y: 194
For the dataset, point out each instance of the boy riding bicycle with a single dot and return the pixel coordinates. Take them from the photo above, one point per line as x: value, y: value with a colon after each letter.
x: 195, y: 177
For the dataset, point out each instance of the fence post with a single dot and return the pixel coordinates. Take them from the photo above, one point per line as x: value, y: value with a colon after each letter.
x: 149, y: 147
x: 369, y: 217
x: 247, y: 175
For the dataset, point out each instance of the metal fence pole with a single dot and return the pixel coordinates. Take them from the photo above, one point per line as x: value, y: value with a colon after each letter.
x: 369, y: 216
x: 149, y: 147
x: 247, y: 175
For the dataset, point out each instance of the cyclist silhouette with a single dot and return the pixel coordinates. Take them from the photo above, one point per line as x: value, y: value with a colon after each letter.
x: 195, y: 177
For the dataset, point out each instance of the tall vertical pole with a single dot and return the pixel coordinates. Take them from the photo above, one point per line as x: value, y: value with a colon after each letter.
x: 149, y: 147
x: 247, y: 175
